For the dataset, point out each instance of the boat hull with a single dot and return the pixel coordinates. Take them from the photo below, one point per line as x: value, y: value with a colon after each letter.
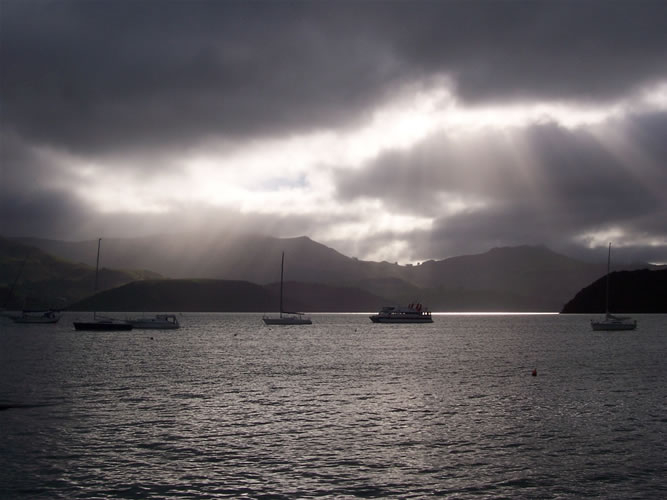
x: 159, y: 322
x: 380, y: 319
x: 36, y: 317
x: 36, y: 321
x: 600, y: 326
x: 101, y: 326
x: 287, y: 321
x: 145, y: 325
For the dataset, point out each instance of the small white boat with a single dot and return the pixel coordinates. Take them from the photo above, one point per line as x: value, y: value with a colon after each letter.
x: 413, y: 313
x: 38, y: 317
x: 288, y: 318
x: 612, y: 323
x: 157, y: 322
x: 285, y: 317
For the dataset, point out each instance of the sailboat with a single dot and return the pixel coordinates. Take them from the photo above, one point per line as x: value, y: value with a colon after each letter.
x: 610, y: 321
x: 47, y: 316
x: 38, y: 316
x: 286, y: 317
x: 101, y: 323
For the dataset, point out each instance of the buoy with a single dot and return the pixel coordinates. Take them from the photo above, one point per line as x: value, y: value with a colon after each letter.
x: 534, y: 372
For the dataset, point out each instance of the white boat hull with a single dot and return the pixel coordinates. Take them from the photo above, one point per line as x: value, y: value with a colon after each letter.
x: 604, y: 326
x: 49, y: 317
x: 287, y: 321
x: 380, y: 319
x: 414, y: 313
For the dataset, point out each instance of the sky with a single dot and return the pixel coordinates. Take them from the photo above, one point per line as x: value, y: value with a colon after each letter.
x: 388, y: 130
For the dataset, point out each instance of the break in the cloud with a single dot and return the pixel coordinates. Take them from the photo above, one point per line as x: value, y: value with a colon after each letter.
x: 389, y: 130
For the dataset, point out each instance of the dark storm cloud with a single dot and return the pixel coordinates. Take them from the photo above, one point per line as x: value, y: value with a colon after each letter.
x: 568, y: 49
x: 27, y: 168
x: 106, y: 76
x: 30, y: 204
x: 560, y: 185
x: 50, y: 214
x: 137, y: 85
x: 98, y: 75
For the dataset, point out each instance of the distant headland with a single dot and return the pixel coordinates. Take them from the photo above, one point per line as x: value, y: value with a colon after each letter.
x: 641, y: 291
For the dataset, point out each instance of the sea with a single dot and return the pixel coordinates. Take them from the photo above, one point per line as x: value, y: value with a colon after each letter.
x: 470, y: 406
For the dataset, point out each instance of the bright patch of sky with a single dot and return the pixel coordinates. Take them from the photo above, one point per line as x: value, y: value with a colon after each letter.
x: 602, y: 237
x: 293, y: 175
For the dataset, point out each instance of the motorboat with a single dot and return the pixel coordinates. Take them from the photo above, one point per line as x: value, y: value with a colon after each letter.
x: 413, y: 313
x: 157, y: 322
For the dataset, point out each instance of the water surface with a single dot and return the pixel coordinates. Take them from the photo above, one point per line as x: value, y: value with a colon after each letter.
x: 228, y: 407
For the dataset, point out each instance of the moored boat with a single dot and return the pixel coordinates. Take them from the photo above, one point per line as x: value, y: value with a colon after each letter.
x: 38, y: 317
x: 35, y: 316
x: 157, y: 322
x: 103, y: 324
x: 413, y: 313
x: 612, y: 323
x: 286, y: 317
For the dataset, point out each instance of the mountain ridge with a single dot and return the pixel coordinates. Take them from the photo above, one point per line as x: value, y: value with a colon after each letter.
x: 30, y: 277
x: 210, y: 295
x: 523, y: 278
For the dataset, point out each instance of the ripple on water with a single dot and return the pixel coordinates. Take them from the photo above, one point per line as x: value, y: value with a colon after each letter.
x: 228, y: 408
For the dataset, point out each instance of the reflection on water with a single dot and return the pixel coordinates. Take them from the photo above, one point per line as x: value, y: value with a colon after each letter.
x: 227, y: 406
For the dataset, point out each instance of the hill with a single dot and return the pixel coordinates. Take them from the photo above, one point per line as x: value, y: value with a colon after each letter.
x: 32, y: 278
x: 227, y: 296
x: 247, y: 257
x: 525, y: 278
x: 180, y: 295
x: 327, y: 298
x: 641, y: 291
x: 531, y: 278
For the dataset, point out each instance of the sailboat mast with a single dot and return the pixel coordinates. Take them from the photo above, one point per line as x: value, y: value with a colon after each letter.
x: 606, y: 298
x: 282, y: 265
x: 97, y: 270
x: 97, y: 264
